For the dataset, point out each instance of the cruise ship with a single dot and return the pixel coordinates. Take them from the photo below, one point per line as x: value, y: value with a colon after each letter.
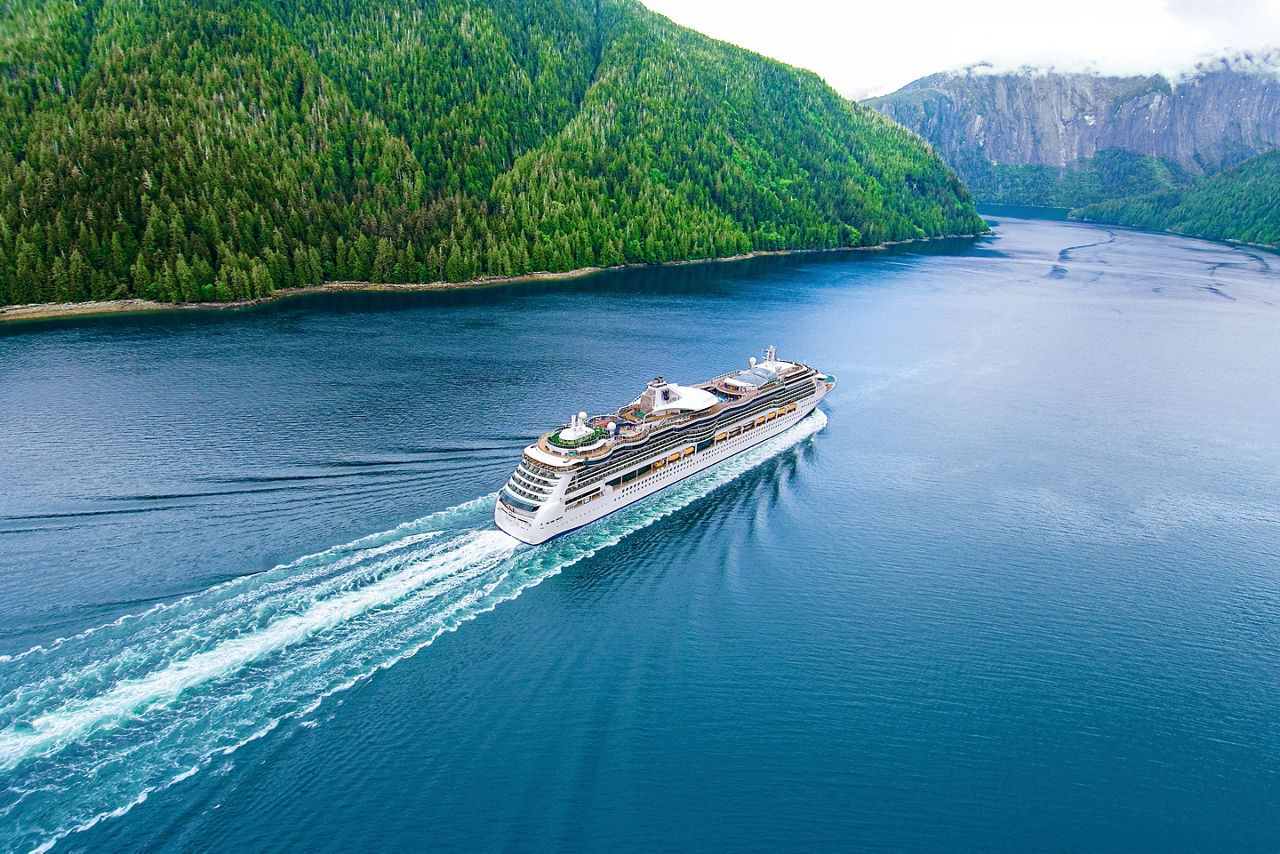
x: 593, y: 466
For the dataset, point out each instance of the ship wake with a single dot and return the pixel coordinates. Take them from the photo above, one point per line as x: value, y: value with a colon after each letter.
x: 93, y: 724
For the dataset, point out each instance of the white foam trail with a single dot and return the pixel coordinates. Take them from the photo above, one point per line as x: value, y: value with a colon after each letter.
x: 131, y: 697
x: 178, y: 684
x: 441, y: 519
x: 182, y: 635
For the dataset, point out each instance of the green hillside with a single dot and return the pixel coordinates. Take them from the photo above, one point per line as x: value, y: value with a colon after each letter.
x: 1240, y: 204
x: 1109, y: 174
x: 219, y: 149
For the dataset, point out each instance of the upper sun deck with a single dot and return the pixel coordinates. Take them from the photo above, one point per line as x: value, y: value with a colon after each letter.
x: 662, y: 405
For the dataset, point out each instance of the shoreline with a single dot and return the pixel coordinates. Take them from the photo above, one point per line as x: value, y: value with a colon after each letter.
x: 134, y: 305
x: 1146, y: 229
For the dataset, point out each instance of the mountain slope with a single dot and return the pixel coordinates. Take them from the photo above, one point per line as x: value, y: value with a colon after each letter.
x: 220, y: 149
x: 1242, y: 203
x: 1053, y: 138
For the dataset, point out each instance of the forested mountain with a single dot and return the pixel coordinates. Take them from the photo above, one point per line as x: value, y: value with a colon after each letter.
x: 1049, y: 138
x: 219, y: 149
x: 1240, y: 204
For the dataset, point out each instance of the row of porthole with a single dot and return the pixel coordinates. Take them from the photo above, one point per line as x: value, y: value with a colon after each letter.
x: 672, y: 466
x: 774, y: 415
x: 682, y: 462
x: 631, y: 488
x: 626, y: 490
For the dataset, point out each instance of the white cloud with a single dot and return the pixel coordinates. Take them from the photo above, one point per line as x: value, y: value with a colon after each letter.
x: 865, y: 48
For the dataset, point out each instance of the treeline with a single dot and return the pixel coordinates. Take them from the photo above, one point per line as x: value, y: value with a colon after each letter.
x: 1242, y: 204
x: 218, y: 149
x: 1109, y: 174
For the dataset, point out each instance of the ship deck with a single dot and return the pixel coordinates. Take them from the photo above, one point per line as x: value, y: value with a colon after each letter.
x: 634, y: 425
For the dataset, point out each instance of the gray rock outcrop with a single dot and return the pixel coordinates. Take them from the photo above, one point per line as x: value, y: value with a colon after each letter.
x: 1221, y: 114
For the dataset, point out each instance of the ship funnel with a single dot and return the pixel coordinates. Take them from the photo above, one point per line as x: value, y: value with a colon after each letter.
x: 577, y: 428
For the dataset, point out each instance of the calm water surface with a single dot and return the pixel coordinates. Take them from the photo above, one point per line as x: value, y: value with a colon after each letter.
x: 1021, y: 590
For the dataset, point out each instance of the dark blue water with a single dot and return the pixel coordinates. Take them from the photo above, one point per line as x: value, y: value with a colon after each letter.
x: 1021, y: 590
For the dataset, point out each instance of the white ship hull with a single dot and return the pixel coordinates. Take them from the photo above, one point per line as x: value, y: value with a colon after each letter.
x: 562, y: 514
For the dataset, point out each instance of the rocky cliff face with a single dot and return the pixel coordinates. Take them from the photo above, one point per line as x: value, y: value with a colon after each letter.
x: 991, y: 126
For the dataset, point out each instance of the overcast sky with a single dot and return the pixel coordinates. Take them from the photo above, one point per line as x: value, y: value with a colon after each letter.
x: 868, y: 48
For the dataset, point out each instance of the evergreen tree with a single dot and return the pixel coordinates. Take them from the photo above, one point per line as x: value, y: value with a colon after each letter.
x: 455, y: 269
x: 384, y: 261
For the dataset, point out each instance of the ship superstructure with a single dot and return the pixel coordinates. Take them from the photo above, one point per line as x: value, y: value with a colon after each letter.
x: 593, y: 466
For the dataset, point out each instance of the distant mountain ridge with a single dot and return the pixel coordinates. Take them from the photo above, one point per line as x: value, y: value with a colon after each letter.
x: 220, y: 149
x: 1045, y: 137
